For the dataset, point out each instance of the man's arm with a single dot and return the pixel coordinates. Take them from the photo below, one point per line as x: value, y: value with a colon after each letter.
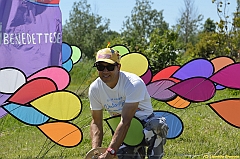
x: 96, y: 128
x: 128, y: 112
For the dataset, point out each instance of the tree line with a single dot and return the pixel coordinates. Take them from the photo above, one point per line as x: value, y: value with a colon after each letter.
x: 146, y: 31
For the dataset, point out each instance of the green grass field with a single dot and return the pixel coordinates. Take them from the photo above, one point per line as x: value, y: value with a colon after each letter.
x: 205, y: 134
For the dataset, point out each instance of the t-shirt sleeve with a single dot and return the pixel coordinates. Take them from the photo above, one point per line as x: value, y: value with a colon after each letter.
x: 94, y: 98
x: 135, y: 92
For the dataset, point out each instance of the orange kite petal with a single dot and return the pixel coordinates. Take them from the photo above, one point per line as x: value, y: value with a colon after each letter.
x: 62, y: 133
x: 179, y: 102
x: 228, y: 110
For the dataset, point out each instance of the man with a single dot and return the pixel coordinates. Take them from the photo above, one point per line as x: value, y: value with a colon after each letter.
x: 125, y: 94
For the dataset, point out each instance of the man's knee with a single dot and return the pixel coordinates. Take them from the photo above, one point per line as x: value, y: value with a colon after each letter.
x: 158, y: 126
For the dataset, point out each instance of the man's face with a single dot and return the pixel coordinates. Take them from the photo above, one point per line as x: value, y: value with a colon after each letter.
x: 109, y: 73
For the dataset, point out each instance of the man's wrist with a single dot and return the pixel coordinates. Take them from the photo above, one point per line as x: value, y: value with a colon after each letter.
x: 111, y: 151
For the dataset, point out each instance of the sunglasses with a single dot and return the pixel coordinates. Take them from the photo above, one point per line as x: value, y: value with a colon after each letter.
x: 109, y: 67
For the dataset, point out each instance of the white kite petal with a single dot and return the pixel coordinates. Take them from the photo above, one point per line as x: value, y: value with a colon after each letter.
x: 10, y: 80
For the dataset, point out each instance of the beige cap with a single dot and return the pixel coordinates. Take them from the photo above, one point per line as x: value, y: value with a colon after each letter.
x: 108, y: 55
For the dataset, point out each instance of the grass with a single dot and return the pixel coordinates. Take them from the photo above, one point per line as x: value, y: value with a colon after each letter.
x: 205, y: 135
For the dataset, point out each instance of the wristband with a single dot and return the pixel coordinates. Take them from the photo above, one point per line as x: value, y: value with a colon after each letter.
x: 111, y: 151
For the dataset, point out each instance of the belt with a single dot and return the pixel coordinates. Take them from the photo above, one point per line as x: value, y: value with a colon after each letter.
x: 149, y: 117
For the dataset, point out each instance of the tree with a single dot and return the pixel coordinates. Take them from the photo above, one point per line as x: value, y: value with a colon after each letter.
x: 138, y: 27
x: 209, y: 26
x: 163, y: 50
x: 189, y: 21
x: 222, y: 42
x: 207, y: 46
x: 236, y: 29
x: 228, y: 37
x: 85, y: 29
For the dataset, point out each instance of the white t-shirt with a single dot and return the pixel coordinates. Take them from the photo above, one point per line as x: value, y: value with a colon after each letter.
x: 129, y: 89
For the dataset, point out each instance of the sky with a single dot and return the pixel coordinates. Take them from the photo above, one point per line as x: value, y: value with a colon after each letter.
x: 117, y: 10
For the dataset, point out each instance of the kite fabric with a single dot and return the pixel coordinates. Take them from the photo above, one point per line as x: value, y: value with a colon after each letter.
x: 30, y: 36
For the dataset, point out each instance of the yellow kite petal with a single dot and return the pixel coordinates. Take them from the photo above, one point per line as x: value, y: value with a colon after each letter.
x: 60, y: 105
x: 135, y: 63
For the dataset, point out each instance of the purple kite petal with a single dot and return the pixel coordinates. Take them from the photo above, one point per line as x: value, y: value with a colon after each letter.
x: 197, y: 89
x: 147, y: 77
x: 228, y: 76
x: 3, y: 98
x: 2, y: 112
x: 195, y: 68
x: 159, y: 90
x: 220, y: 87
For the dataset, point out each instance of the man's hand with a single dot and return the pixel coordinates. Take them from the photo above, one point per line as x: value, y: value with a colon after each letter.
x: 106, y: 155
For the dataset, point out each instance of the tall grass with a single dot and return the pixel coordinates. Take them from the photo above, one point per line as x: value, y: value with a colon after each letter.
x: 204, y: 135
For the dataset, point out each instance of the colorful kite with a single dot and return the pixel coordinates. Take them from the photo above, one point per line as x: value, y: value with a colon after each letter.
x: 35, y: 66
x: 179, y: 86
x: 34, y: 69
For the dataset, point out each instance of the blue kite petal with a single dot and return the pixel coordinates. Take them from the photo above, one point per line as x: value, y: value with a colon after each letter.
x: 68, y: 65
x: 174, y: 123
x: 66, y: 52
x: 26, y: 114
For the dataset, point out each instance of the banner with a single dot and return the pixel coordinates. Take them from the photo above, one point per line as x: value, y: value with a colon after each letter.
x: 30, y: 36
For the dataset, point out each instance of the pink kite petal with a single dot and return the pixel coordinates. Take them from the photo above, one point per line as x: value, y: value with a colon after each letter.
x: 228, y: 76
x: 196, y: 89
x: 147, y: 77
x: 58, y: 74
x: 228, y: 110
x: 32, y: 90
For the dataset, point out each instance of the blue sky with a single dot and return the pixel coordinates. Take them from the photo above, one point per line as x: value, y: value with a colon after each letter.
x: 117, y: 10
